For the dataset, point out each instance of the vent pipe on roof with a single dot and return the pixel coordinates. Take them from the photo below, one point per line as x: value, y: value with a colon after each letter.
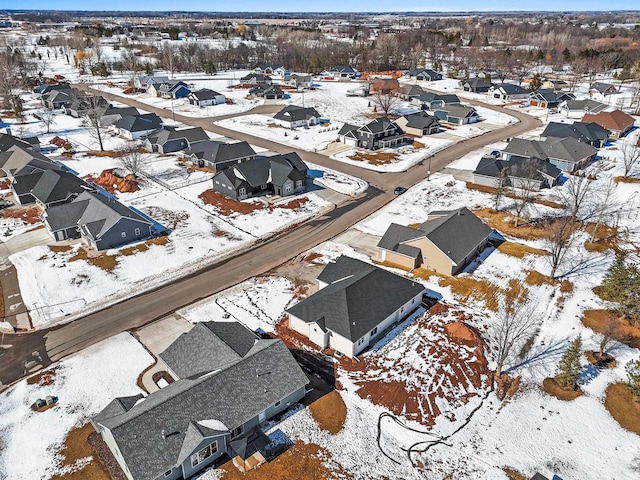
x: 163, y: 432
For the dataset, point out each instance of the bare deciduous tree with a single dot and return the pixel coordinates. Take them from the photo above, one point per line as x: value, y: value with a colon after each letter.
x: 500, y: 188
x: 48, y: 118
x: 523, y: 186
x: 630, y: 153
x: 93, y: 114
x: 133, y: 160
x: 560, y: 236
x: 386, y: 102
x: 515, y: 324
x: 575, y: 194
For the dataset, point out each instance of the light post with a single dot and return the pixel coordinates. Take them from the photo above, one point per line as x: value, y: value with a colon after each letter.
x: 429, y: 170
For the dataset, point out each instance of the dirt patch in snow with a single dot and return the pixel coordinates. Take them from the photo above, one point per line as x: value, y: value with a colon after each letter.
x: 380, y: 158
x: 228, y: 206
x: 626, y: 180
x: 5, y: 184
x: 302, y: 460
x: 519, y: 250
x: 329, y: 412
x: 608, y: 322
x: 78, y: 462
x: 113, y: 183
x: 29, y: 214
x: 623, y: 406
x: 436, y: 360
x: 553, y: 388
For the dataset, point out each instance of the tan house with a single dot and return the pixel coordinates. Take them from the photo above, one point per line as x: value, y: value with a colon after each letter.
x: 617, y: 122
x: 445, y: 243
x: 419, y: 124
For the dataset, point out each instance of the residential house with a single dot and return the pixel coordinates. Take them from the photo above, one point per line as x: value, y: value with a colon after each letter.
x: 531, y: 173
x: 342, y: 71
x: 575, y: 108
x: 18, y: 160
x: 57, y: 99
x: 269, y: 92
x: 294, y: 116
x: 617, y: 122
x: 409, y: 92
x: 229, y: 382
x: 135, y: 127
x: 356, y: 303
x: 256, y: 79
x: 567, y: 154
x: 556, y: 85
x: 418, y: 124
x: 282, y: 175
x: 168, y: 141
x: 548, y: 98
x: 206, y: 97
x: 82, y: 104
x: 298, y: 81
x: 432, y: 101
x: 44, y: 88
x: 143, y: 82
x: 48, y: 187
x: 509, y: 92
x: 7, y: 141
x: 274, y: 69
x: 477, y: 85
x: 424, y: 74
x: 172, y: 90
x: 602, y: 88
x: 446, y: 243
x: 458, y: 114
x: 379, y: 133
x: 112, y: 114
x: 591, y: 133
x: 385, y: 86
x: 106, y: 223
x: 219, y: 155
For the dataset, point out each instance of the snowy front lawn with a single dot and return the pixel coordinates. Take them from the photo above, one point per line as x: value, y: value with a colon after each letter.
x: 85, y: 384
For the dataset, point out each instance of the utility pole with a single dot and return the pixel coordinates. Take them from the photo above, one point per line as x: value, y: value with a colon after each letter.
x: 429, y: 170
x: 173, y: 112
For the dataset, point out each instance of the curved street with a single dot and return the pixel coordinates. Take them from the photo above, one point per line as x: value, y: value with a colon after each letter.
x: 25, y: 353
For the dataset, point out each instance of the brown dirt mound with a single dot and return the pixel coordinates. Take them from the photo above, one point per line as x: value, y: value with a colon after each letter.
x: 44, y: 377
x: 552, y: 387
x: 329, y: 412
x: 302, y: 460
x: 602, y: 361
x: 60, y: 142
x: 112, y: 183
x: 623, y: 406
x: 228, y: 206
x: 415, y: 372
x: 29, y: 214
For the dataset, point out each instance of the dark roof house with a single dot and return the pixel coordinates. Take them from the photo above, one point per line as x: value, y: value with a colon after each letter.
x: 591, y: 133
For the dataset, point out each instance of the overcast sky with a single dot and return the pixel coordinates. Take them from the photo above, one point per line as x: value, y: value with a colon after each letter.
x: 323, y: 6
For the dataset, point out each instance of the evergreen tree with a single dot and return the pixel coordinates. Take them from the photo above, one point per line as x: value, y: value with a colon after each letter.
x: 621, y: 285
x: 633, y: 373
x: 569, y: 366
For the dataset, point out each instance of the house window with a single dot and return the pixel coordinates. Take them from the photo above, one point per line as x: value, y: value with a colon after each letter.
x: 287, y: 187
x: 374, y: 331
x: 242, y: 191
x: 298, y: 183
x: 237, y: 431
x: 137, y: 231
x: 413, y: 300
x: 217, y: 182
x: 167, y: 473
x: 277, y: 404
x: 203, y: 454
x: 401, y: 309
x: 124, y: 234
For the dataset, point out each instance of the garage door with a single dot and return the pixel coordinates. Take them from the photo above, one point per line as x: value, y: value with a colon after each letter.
x: 350, y: 141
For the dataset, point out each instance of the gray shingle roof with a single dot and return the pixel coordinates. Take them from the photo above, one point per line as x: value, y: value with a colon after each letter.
x: 262, y: 171
x: 138, y: 123
x: 232, y: 396
x: 18, y: 160
x: 511, y: 89
x: 379, y: 125
x: 205, y: 94
x: 458, y: 111
x: 7, y: 141
x: 583, y: 132
x: 65, y: 215
x: 57, y: 186
x: 208, y: 346
x: 517, y: 167
x: 103, y: 212
x: 192, y: 135
x: 293, y: 113
x: 421, y: 120
x: 456, y: 233
x: 397, y: 234
x: 358, y: 298
x: 568, y: 149
x: 586, y: 105
x: 217, y: 152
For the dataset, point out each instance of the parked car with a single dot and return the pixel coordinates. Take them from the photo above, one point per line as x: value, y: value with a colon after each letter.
x: 399, y: 190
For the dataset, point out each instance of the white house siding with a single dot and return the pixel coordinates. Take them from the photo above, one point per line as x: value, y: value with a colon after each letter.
x: 484, y: 180
x: 317, y: 335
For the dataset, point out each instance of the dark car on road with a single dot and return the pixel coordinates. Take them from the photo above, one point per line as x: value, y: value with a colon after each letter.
x: 399, y: 190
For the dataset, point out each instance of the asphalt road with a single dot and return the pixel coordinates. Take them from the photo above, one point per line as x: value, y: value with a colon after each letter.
x: 29, y: 352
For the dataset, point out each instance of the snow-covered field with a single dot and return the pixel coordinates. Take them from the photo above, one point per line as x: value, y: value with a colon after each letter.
x: 85, y: 384
x: 312, y: 139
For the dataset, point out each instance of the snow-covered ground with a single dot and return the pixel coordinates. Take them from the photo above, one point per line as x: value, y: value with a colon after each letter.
x: 312, y: 139
x: 85, y: 384
x: 337, y: 181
